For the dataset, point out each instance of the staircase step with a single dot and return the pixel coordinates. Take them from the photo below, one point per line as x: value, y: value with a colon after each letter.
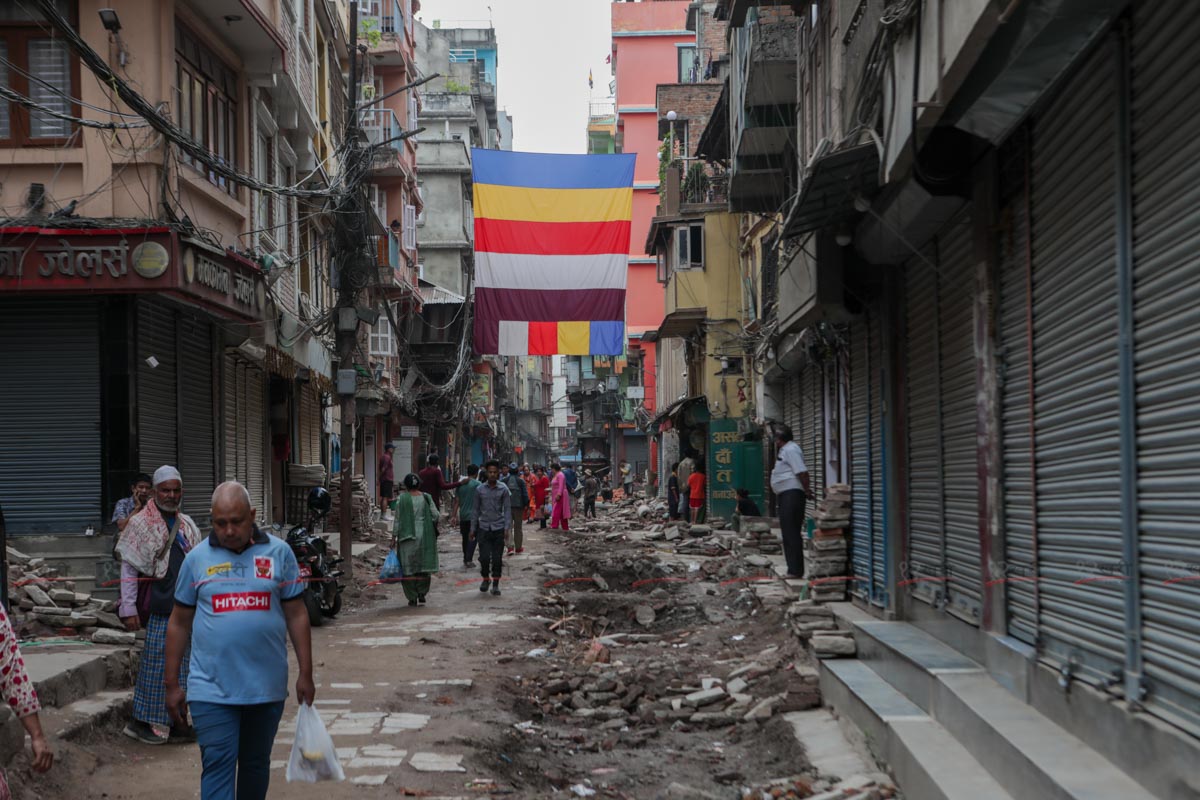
x: 925, y: 759
x: 1028, y: 754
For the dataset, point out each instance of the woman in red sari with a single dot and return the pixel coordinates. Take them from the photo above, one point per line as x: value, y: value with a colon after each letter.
x: 560, y: 500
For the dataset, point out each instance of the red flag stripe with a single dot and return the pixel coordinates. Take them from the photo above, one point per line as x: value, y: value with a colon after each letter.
x: 551, y: 238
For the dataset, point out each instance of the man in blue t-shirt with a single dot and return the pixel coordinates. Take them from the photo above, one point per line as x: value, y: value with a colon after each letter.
x: 238, y: 598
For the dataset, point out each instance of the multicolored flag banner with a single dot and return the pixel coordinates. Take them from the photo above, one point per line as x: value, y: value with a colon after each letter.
x: 551, y: 252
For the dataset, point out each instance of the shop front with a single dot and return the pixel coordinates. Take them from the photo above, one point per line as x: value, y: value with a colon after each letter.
x: 111, y: 345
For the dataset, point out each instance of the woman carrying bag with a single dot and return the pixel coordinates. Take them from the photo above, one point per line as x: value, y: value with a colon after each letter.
x: 415, y: 532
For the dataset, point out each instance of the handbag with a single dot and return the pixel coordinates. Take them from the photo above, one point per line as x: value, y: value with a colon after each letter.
x: 145, y: 588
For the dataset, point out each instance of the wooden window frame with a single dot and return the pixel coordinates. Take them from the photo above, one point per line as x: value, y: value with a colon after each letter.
x: 17, y: 34
x: 212, y: 89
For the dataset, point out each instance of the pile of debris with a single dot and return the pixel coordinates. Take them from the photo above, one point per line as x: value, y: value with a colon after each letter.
x: 362, y: 505
x: 859, y: 787
x: 826, y: 552
x: 816, y: 626
x: 45, y: 597
x: 759, y: 537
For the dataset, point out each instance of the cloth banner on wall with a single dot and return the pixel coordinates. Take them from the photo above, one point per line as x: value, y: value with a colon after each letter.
x: 551, y: 252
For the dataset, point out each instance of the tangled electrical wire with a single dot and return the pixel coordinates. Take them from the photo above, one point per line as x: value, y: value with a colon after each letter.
x: 154, y: 118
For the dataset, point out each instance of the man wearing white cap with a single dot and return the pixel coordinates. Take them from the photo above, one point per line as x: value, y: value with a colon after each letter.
x: 152, y: 548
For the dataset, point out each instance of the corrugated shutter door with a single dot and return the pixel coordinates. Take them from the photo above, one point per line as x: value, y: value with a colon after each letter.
x: 245, y: 451
x: 868, y: 536
x: 793, y: 411
x: 157, y: 387
x: 310, y: 425
x: 926, y: 516
x: 814, y: 429
x: 1166, y: 192
x: 197, y: 441
x: 1020, y: 567
x: 50, y: 416
x: 1075, y: 372
x: 255, y: 441
x: 960, y: 484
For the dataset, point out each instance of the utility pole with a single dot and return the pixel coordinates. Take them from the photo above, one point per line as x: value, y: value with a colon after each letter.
x: 347, y: 332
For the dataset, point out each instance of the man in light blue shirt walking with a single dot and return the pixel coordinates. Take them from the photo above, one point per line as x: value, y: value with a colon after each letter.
x: 238, y: 599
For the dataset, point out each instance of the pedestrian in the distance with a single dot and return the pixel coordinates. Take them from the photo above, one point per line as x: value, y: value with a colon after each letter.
x: 19, y: 695
x: 140, y: 490
x: 152, y: 548
x: 686, y: 466
x: 696, y: 494
x: 495, y: 513
x: 433, y: 482
x: 514, y: 537
x: 591, y: 488
x: 627, y: 479
x: 789, y: 482
x: 415, y: 539
x: 572, y: 484
x: 387, y: 480
x: 746, y: 505
x: 464, y: 509
x: 560, y: 501
x: 541, y: 495
x: 238, y: 599
x: 673, y: 492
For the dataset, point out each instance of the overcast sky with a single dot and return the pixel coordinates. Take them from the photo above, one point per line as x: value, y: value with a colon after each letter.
x: 545, y: 50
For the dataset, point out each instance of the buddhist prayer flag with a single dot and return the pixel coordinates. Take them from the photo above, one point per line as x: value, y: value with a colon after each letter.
x: 551, y: 252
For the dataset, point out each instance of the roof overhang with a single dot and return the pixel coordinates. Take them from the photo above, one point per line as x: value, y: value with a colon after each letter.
x: 829, y: 191
x: 682, y: 322
x: 714, y: 139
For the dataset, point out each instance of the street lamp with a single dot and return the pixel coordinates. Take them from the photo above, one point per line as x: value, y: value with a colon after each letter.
x: 671, y: 117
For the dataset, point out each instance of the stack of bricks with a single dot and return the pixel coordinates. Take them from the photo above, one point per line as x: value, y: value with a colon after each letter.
x: 826, y: 554
x: 758, y: 537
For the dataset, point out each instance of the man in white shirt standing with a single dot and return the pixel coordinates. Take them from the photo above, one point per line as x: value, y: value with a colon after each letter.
x: 789, y: 482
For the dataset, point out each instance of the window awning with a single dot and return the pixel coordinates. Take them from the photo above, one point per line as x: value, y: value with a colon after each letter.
x: 827, y: 196
x: 682, y: 322
x: 671, y: 411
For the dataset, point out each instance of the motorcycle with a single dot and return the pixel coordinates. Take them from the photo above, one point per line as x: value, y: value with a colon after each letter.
x: 322, y: 587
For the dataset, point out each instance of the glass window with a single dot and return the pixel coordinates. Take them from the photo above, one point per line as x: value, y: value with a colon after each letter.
x: 40, y: 66
x: 206, y: 101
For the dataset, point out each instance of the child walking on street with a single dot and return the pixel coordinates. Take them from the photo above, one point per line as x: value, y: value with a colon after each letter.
x: 696, y: 487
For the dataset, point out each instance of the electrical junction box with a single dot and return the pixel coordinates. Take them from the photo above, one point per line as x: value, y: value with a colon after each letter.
x: 347, y: 382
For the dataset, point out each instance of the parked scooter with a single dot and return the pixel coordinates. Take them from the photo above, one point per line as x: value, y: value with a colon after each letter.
x: 318, y: 570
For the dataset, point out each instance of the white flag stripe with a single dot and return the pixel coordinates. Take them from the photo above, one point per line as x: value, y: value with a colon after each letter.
x: 514, y: 338
x: 512, y: 271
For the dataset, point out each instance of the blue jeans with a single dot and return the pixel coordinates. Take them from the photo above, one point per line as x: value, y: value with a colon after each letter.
x: 235, y: 748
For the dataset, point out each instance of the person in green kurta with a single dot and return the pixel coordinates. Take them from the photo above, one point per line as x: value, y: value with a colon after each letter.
x: 415, y: 531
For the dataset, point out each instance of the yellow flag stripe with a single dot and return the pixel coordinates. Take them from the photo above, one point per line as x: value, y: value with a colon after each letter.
x: 493, y: 201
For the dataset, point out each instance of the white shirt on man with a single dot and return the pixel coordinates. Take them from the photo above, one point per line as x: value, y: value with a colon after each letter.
x: 788, y: 464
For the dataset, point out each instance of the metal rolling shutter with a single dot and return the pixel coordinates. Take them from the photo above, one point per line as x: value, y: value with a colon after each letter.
x: 879, y: 537
x: 1075, y: 373
x: 50, y: 416
x: 793, y: 409
x: 926, y: 556
x: 197, y: 441
x: 310, y: 425
x: 814, y: 429
x: 960, y: 484
x: 868, y: 535
x: 157, y: 387
x: 1020, y: 566
x: 245, y: 431
x: 1166, y: 193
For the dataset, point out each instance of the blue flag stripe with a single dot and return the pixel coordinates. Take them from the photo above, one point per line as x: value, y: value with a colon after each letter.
x: 552, y: 170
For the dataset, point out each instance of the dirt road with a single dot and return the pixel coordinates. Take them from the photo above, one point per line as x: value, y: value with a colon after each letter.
x: 482, y: 696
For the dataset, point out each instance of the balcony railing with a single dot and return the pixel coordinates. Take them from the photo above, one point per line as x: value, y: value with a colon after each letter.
x: 601, y: 109
x: 387, y: 14
x: 447, y: 102
x: 380, y: 125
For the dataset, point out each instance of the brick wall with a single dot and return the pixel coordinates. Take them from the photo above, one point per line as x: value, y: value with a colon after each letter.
x: 693, y: 102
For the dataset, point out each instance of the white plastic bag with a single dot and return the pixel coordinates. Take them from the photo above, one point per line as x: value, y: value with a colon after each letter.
x: 313, y: 756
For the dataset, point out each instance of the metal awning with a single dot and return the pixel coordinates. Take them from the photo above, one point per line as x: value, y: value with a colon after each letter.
x: 828, y: 193
x: 682, y: 322
x: 432, y: 294
x: 714, y: 139
x: 676, y: 407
